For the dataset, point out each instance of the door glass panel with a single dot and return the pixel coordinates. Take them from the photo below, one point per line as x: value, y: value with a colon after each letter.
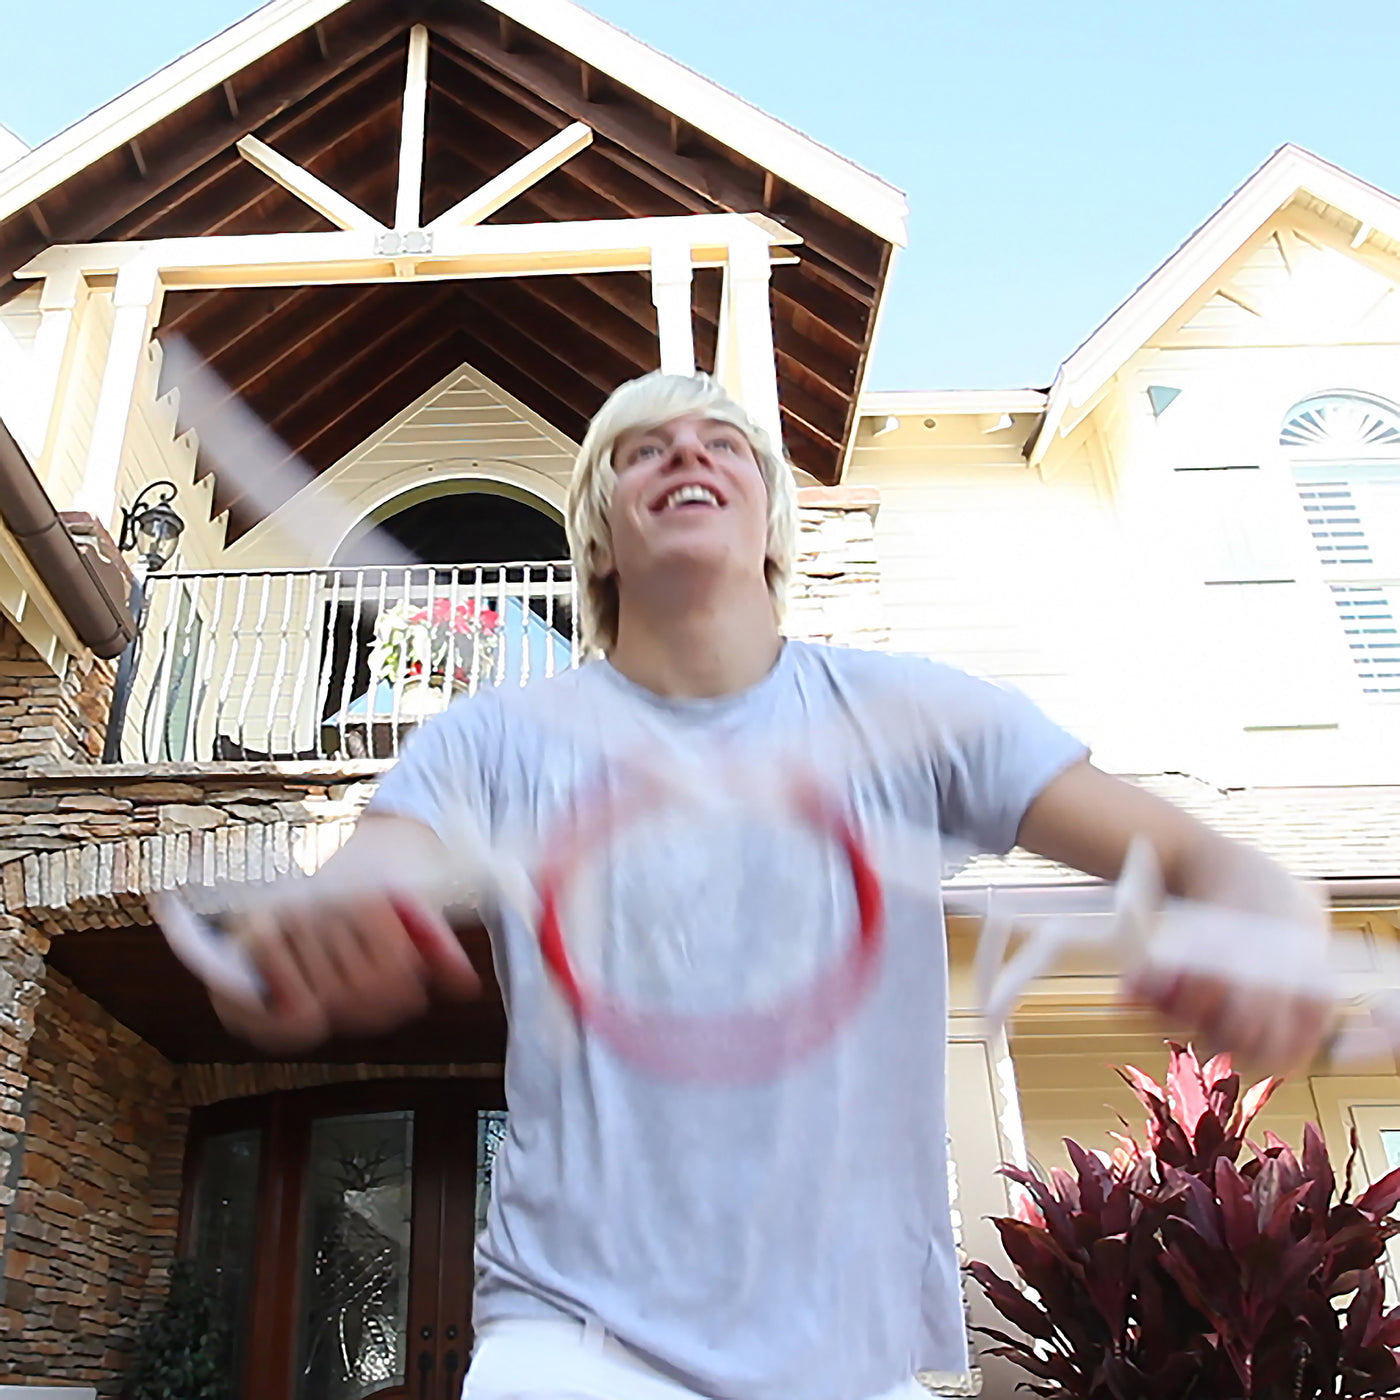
x: 490, y: 1133
x: 225, y: 1204
x: 1390, y: 1144
x: 355, y: 1265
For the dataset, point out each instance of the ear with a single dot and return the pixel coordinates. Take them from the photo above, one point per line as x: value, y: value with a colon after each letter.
x: 602, y: 561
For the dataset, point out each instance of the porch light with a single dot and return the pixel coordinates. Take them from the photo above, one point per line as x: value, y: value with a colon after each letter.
x: 152, y: 528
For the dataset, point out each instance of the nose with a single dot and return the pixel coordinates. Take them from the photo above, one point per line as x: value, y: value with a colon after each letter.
x: 687, y: 449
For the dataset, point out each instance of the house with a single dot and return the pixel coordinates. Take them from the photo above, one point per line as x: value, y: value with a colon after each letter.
x: 389, y: 259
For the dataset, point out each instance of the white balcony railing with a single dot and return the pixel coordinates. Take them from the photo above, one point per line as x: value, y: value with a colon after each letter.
x: 336, y: 662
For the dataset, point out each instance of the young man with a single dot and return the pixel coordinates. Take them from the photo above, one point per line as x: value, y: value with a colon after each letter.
x: 781, y: 1239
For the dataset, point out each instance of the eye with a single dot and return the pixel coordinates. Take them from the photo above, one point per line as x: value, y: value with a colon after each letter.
x: 730, y: 444
x: 642, y: 451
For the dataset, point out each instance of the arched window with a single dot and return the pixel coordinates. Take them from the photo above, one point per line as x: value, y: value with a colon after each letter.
x: 1344, y: 448
x: 1346, y: 425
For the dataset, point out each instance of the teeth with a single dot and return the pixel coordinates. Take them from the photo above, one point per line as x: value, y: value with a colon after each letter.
x: 683, y: 495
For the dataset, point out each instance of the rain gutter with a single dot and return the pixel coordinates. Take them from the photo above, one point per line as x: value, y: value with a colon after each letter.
x: 71, y: 552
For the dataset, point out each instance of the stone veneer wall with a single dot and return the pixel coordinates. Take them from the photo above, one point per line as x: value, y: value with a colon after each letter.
x: 91, y: 1118
x: 835, y: 590
x: 91, y: 1228
x: 46, y: 718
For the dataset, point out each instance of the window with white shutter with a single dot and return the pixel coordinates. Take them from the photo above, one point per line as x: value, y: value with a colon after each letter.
x: 1345, y: 452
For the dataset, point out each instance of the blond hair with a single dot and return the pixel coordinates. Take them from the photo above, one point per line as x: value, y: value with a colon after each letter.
x: 640, y: 405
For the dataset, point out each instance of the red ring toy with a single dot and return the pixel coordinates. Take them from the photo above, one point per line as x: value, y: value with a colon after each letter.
x: 725, y: 1047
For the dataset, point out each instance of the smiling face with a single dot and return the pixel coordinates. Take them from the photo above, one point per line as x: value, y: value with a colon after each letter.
x: 689, y: 501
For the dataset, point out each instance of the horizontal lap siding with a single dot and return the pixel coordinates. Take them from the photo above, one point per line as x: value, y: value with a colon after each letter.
x: 64, y: 476
x: 463, y: 421
x: 20, y: 316
x: 982, y: 566
x: 152, y: 452
x: 1068, y: 1087
x: 466, y: 426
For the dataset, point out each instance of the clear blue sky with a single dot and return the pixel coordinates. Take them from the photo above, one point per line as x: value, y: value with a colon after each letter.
x: 1053, y: 154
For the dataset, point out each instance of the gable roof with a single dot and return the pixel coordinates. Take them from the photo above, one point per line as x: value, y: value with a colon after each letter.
x: 787, y: 153
x: 1290, y: 175
x: 322, y: 83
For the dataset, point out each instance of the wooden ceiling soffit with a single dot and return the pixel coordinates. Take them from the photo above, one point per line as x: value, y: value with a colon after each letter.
x: 545, y: 78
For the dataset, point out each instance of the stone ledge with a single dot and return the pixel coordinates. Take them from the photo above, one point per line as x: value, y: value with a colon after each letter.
x: 209, y: 774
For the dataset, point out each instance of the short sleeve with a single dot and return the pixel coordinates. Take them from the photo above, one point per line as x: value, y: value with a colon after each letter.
x: 446, y: 770
x: 994, y: 752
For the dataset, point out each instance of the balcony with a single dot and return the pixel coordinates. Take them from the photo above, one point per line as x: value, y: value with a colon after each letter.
x: 305, y: 664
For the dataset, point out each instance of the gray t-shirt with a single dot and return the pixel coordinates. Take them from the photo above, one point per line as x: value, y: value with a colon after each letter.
x: 787, y: 1238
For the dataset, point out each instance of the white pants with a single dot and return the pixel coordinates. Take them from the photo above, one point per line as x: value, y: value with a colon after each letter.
x: 538, y: 1360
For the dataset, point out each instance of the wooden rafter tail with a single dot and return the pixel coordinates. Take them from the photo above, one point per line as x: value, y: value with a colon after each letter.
x: 517, y: 178
x: 315, y: 193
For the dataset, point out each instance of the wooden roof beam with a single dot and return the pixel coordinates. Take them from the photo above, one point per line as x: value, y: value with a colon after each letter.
x: 710, y: 177
x: 358, y: 343
x: 594, y: 356
x: 313, y: 192
x: 516, y: 179
x: 518, y: 119
x: 299, y: 424
x: 570, y: 199
x: 371, y: 383
x: 264, y: 351
x: 599, y: 176
x: 282, y: 129
x: 482, y: 250
x: 193, y: 142
x: 542, y: 368
x: 412, y: 128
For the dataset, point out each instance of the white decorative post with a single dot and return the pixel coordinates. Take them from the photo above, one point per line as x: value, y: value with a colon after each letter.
x: 136, y: 305
x: 670, y: 291
x: 52, y: 349
x: 745, y: 361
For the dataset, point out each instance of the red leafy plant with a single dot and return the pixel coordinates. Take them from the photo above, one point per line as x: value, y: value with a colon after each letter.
x: 1167, y: 1271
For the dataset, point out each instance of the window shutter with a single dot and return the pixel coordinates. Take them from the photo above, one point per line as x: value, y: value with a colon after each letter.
x: 1371, y: 619
x: 1353, y: 514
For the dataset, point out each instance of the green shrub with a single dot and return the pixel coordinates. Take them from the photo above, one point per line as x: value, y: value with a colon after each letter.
x: 182, y: 1352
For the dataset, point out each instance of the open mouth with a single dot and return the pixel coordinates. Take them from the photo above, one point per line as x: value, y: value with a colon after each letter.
x: 689, y: 497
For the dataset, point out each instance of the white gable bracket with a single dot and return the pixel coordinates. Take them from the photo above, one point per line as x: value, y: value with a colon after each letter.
x: 297, y: 180
x: 516, y: 179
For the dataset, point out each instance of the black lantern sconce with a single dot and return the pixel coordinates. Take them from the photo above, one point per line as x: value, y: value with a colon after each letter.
x: 151, y: 529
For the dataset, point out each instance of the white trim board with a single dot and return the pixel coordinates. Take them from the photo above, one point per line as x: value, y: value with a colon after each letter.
x: 835, y: 181
x: 1289, y: 173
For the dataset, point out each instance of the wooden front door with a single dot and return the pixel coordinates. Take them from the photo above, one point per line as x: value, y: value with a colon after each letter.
x: 336, y: 1226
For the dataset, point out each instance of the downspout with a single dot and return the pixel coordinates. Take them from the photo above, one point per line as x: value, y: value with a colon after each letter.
x: 72, y: 554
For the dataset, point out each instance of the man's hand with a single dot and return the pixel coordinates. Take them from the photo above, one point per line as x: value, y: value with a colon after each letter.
x: 354, y: 965
x: 1088, y: 819
x: 1274, y: 1030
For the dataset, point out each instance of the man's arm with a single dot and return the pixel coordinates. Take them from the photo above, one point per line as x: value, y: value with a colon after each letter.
x: 358, y: 951
x: 1087, y: 819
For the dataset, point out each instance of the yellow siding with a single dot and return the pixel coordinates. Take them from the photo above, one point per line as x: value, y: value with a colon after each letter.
x: 20, y: 316
x: 83, y: 383
x: 1068, y: 1087
x: 987, y: 566
x: 465, y: 428
x: 152, y: 452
